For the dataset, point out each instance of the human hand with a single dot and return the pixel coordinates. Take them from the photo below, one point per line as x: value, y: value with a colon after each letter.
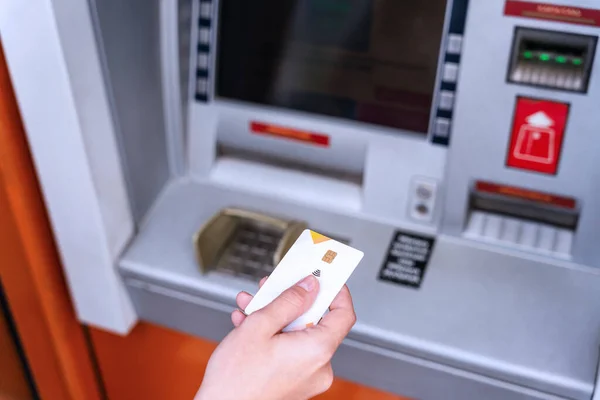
x: 256, y: 361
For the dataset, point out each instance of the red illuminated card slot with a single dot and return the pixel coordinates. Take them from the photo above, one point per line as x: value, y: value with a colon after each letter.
x: 525, y: 204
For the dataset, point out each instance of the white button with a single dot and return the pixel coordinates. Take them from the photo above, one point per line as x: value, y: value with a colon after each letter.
x: 560, y: 79
x: 569, y: 79
x: 475, y: 226
x: 202, y: 61
x: 535, y: 76
x: 441, y: 127
x: 421, y: 211
x: 527, y: 74
x: 510, y: 230
x: 529, y: 232
x: 564, y: 241
x: 425, y: 191
x: 446, y: 100
x: 450, y: 72
x: 518, y: 74
x: 204, y: 36
x: 202, y: 86
x: 546, y: 237
x: 552, y: 76
x: 205, y: 10
x: 423, y: 199
x: 454, y: 43
x: 492, y: 226
x: 575, y: 81
x: 545, y: 76
x: 578, y: 83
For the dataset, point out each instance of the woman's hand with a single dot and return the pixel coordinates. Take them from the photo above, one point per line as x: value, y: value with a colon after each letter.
x: 256, y: 361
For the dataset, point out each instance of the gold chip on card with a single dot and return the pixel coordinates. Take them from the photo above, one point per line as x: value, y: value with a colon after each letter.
x: 329, y: 256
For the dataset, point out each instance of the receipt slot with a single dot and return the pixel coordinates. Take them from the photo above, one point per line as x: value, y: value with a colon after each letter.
x: 459, y: 153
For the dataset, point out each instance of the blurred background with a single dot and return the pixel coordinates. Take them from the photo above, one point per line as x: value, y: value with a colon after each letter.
x: 159, y: 156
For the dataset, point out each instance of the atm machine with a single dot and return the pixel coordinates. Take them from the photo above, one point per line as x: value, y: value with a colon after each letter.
x: 181, y: 144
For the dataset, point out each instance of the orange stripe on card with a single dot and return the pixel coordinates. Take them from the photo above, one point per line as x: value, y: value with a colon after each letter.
x: 318, y: 238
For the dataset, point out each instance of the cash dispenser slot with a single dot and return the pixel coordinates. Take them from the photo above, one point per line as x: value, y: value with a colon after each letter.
x: 551, y: 59
x: 522, y: 218
x: 287, y: 163
x: 288, y: 176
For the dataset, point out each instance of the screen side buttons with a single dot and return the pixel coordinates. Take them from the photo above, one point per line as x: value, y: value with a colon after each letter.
x: 203, y: 61
x: 446, y: 102
x: 454, y: 43
x: 205, y: 10
x: 204, y: 35
x: 450, y: 73
x: 441, y: 127
x: 202, y: 86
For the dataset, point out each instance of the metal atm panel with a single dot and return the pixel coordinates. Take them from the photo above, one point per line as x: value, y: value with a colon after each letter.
x: 485, y: 112
x: 459, y: 319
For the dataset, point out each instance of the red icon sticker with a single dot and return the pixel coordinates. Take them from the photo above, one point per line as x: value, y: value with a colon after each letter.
x: 537, y: 135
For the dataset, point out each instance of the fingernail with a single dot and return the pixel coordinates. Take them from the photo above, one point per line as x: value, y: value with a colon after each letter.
x: 308, y: 283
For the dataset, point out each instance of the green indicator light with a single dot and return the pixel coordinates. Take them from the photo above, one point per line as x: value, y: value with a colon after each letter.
x: 545, y: 57
x: 577, y: 61
x: 528, y: 54
x: 561, y: 59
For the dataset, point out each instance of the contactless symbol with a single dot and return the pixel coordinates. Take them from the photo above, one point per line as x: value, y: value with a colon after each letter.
x: 329, y: 256
x: 317, y: 273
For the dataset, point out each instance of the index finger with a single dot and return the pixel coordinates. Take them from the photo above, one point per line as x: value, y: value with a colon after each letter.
x: 336, y: 324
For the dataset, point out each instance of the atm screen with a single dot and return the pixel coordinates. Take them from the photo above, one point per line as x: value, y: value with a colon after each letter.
x: 373, y: 61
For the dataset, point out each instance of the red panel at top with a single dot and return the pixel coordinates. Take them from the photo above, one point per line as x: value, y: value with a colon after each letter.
x: 553, y: 12
x: 537, y: 135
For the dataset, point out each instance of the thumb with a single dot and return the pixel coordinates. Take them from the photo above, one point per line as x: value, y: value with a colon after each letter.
x: 288, y: 306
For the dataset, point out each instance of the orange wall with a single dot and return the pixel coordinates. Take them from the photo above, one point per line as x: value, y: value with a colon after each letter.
x: 13, y: 384
x: 52, y: 339
x: 155, y: 363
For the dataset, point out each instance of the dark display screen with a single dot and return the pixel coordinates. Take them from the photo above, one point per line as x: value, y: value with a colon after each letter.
x: 373, y: 61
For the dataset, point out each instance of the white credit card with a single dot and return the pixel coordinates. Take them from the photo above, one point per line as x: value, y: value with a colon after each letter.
x: 330, y: 261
